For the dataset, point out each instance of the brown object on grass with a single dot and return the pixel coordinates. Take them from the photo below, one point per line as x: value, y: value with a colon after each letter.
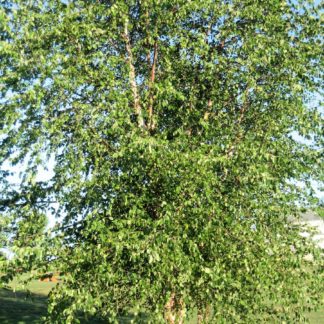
x: 48, y: 277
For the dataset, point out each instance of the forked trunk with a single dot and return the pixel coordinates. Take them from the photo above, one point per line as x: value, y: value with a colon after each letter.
x: 169, y: 310
x: 203, y: 315
x: 174, y: 310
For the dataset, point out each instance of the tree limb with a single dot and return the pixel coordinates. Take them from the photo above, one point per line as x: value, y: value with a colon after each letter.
x: 132, y: 77
x: 151, y: 83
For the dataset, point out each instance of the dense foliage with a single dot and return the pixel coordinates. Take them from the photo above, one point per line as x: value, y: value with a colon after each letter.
x: 170, y: 127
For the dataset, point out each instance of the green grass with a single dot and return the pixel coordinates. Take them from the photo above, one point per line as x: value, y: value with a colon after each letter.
x: 317, y: 318
x: 17, y: 308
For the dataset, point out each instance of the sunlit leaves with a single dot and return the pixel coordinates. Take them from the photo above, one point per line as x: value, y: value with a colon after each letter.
x: 189, y: 206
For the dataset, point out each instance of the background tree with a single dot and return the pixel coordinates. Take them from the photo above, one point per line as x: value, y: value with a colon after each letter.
x: 171, y: 126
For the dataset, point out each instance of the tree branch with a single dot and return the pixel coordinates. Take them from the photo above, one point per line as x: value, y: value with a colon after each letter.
x: 238, y: 136
x: 132, y: 77
x: 151, y: 83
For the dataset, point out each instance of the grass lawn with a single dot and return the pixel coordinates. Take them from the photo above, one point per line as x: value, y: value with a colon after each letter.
x: 15, y: 308
x: 317, y: 318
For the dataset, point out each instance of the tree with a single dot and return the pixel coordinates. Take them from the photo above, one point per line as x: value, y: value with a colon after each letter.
x: 171, y: 126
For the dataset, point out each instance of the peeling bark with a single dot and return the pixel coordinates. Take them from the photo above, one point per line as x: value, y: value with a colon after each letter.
x: 132, y: 78
x: 151, y: 124
x: 239, y: 135
x: 169, y: 307
x: 203, y: 315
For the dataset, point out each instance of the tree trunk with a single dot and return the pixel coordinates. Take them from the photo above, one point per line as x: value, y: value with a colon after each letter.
x: 169, y: 310
x: 132, y: 78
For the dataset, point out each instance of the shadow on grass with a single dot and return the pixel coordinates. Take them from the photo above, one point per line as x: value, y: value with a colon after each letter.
x: 19, y: 308
x: 15, y: 308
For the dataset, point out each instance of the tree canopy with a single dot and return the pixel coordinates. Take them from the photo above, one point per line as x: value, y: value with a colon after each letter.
x: 171, y: 126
